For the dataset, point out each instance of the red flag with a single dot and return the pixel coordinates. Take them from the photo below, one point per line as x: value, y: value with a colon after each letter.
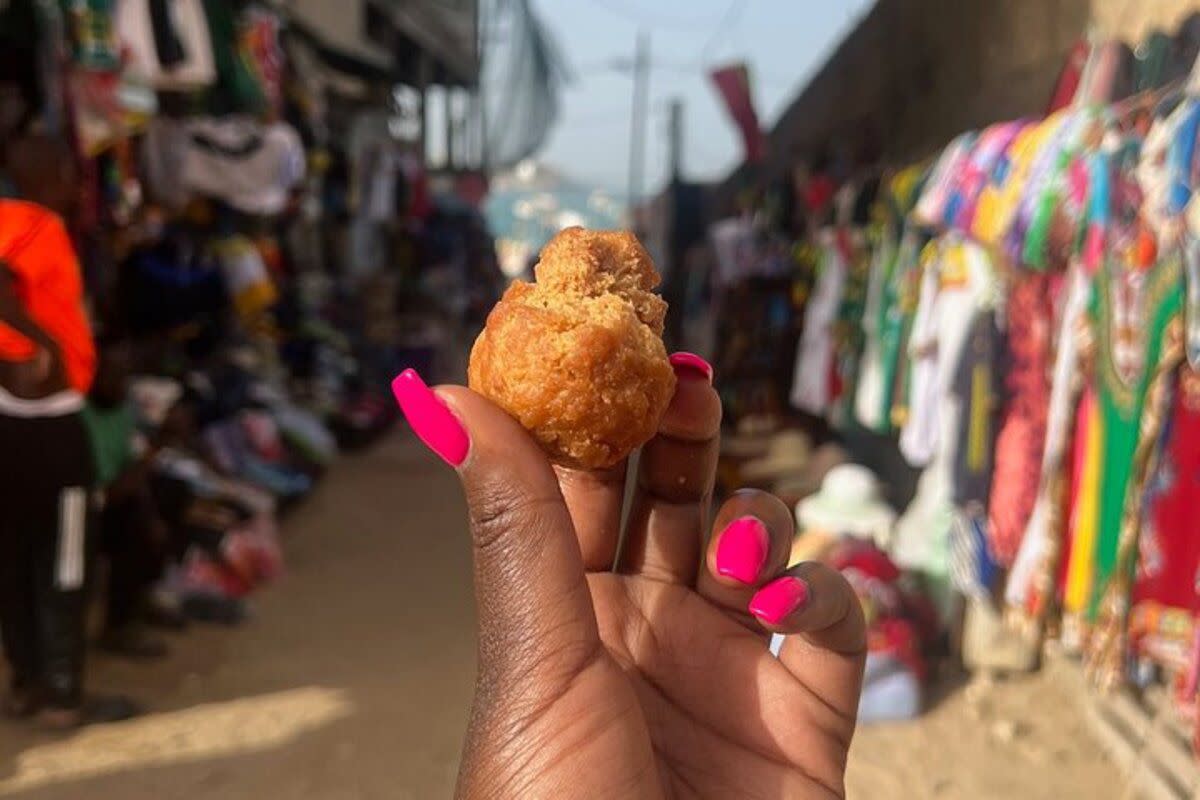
x: 733, y: 82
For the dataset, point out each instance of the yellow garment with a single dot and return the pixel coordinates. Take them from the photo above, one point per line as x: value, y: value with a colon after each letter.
x: 998, y: 202
x: 1080, y: 571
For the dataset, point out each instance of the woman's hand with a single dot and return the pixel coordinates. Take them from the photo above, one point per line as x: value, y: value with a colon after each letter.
x: 653, y: 679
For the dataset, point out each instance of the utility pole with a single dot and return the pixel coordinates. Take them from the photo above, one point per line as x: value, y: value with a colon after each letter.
x: 675, y: 139
x: 637, y: 134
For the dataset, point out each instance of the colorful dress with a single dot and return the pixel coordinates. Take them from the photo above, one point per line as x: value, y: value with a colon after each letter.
x: 1139, y: 342
x: 1022, y: 435
x: 1165, y: 598
x: 1032, y: 578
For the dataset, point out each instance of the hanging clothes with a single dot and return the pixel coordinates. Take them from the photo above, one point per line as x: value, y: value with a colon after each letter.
x: 812, y: 385
x: 1032, y: 578
x: 1164, y: 599
x: 1021, y: 439
x: 958, y: 284
x: 1000, y: 198
x: 887, y: 314
x: 166, y: 45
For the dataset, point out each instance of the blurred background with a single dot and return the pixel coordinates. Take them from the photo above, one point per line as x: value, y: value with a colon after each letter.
x: 942, y: 255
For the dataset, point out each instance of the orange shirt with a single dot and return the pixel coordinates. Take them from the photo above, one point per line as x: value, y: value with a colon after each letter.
x: 35, y: 248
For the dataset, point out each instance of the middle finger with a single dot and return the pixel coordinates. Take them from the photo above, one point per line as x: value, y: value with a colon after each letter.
x: 675, y: 480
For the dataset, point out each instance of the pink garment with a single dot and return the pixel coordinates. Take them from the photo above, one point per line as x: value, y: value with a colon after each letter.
x: 1022, y: 435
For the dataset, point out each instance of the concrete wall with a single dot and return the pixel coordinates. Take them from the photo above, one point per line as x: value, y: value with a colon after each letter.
x: 915, y: 73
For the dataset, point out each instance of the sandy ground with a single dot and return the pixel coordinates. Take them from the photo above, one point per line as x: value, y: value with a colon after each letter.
x: 353, y: 679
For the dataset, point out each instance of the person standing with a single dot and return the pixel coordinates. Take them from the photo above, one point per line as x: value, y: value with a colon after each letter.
x: 47, y: 363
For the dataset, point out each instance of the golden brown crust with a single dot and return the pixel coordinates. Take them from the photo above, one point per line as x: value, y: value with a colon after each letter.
x: 578, y: 357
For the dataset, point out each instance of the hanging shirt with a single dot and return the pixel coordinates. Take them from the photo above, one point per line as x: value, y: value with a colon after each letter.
x: 1132, y: 313
x: 1031, y: 580
x: 1020, y: 441
x: 963, y: 285
x: 976, y: 390
x: 250, y: 166
x: 1132, y: 380
x: 35, y: 248
x: 1000, y: 198
x: 145, y: 27
x: 1164, y: 597
x: 869, y: 407
x: 811, y: 379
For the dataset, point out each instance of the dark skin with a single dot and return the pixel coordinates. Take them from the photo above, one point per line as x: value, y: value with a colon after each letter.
x: 650, y: 680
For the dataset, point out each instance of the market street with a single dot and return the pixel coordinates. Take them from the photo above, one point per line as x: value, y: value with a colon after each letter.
x: 354, y: 676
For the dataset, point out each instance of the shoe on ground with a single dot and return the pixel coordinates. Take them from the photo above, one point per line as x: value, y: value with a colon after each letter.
x: 96, y: 710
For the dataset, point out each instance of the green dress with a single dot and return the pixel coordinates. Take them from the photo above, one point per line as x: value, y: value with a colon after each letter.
x: 1131, y: 315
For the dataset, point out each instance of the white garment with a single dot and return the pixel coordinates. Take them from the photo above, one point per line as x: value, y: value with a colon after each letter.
x: 250, y: 166
x: 922, y: 538
x: 868, y: 399
x: 136, y: 34
x: 940, y: 329
x: 919, y: 435
x: 814, y: 357
x: 1036, y: 541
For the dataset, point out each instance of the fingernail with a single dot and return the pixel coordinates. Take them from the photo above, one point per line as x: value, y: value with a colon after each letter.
x: 690, y: 365
x: 430, y: 419
x: 778, y: 599
x: 742, y: 551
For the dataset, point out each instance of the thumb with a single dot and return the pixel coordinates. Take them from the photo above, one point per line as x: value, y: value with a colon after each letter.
x: 535, y: 614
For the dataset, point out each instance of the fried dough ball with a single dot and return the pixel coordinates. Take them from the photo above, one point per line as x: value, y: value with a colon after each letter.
x: 578, y: 356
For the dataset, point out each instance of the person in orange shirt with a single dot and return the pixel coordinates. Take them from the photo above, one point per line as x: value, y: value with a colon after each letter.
x: 47, y: 361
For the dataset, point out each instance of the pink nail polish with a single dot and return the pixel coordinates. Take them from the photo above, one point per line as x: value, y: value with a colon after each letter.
x: 690, y: 365
x: 778, y: 599
x: 742, y: 551
x: 430, y: 419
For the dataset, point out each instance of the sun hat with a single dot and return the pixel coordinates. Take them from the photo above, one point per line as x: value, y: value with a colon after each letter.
x: 787, y: 454
x: 752, y: 436
x: 849, y: 503
x: 799, y: 485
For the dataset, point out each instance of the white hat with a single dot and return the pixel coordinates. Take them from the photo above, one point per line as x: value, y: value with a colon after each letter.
x: 848, y: 503
x: 787, y: 454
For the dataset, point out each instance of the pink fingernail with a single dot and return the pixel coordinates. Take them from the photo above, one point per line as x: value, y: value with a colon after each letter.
x: 690, y: 365
x: 778, y: 599
x: 430, y: 419
x: 742, y: 551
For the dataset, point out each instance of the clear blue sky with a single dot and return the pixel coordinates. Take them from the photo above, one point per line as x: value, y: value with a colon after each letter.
x: 783, y: 41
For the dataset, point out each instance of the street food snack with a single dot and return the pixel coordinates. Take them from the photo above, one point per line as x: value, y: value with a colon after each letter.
x: 578, y: 356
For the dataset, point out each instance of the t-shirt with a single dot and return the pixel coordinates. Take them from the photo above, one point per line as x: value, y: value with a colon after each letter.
x: 35, y: 248
x: 111, y: 433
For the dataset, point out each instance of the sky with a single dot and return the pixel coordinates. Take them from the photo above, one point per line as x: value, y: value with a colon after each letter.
x: 783, y: 41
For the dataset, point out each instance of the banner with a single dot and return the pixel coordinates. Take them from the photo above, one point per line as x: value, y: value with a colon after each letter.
x: 733, y: 82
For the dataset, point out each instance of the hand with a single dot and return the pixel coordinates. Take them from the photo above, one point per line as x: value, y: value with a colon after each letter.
x: 652, y: 680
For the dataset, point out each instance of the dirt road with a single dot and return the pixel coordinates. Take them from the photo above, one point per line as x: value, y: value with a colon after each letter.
x: 352, y: 681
